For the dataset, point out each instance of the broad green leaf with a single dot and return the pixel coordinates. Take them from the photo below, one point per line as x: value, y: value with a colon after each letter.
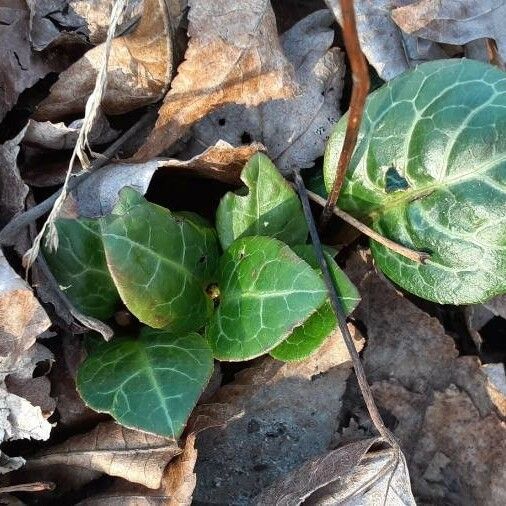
x: 266, y: 291
x: 429, y: 172
x: 160, y: 262
x: 267, y: 207
x: 80, y: 268
x: 151, y: 383
x: 309, y: 336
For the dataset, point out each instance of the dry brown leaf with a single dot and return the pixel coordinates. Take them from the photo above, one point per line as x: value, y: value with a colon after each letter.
x: 221, y: 161
x: 289, y: 411
x: 179, y: 480
x: 139, y: 71
x: 22, y: 318
x: 233, y: 56
x: 20, y: 67
x: 496, y: 385
x: 58, y: 136
x: 20, y: 418
x: 451, y: 22
x: 446, y: 408
x: 387, y: 49
x: 300, y: 484
x: 13, y: 190
x: 97, y: 195
x: 70, y: 21
x: 457, y: 446
x: 115, y: 450
x: 294, y: 131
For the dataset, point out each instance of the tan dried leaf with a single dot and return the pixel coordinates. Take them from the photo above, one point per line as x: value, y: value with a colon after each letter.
x: 221, y: 161
x: 115, y: 450
x: 179, y: 479
x: 387, y: 49
x: 233, y: 56
x: 289, y: 413
x: 451, y: 22
x: 139, y: 71
x: 22, y: 318
x: 295, y: 130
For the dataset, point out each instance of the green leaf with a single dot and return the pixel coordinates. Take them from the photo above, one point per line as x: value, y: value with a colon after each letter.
x: 309, y: 336
x: 80, y: 268
x: 266, y: 291
x: 429, y: 172
x: 160, y: 262
x: 270, y: 207
x: 151, y: 383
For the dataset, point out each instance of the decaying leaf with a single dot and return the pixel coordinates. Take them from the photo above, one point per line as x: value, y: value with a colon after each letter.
x: 453, y: 22
x: 20, y: 67
x: 62, y: 21
x: 446, y: 408
x: 13, y: 190
x: 58, y: 136
x: 294, y: 131
x: 179, y: 478
x: 222, y: 161
x: 353, y: 474
x: 97, y: 195
x: 289, y: 411
x: 115, y: 450
x: 139, y: 70
x: 388, y: 49
x: 22, y: 318
x: 233, y: 56
x: 19, y: 418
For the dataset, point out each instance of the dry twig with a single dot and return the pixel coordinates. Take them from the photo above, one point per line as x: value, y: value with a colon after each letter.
x: 416, y: 256
x: 360, y: 75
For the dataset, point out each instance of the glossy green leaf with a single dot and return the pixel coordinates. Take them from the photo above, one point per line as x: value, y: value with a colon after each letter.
x: 80, y: 267
x: 429, y: 172
x: 266, y: 291
x: 309, y: 336
x: 269, y: 208
x: 151, y: 383
x: 160, y: 262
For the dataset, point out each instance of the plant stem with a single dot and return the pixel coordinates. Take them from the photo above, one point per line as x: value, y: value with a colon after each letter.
x: 341, y: 316
x: 37, y: 486
x: 360, y: 76
x: 416, y: 256
x: 10, y: 232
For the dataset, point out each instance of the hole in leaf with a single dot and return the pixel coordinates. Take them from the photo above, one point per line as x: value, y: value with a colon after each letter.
x: 222, y: 121
x: 246, y: 138
x: 394, y: 181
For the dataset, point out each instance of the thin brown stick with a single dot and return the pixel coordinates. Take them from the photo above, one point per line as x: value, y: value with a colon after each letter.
x: 416, y: 256
x: 360, y: 75
x: 36, y: 486
x: 365, y: 389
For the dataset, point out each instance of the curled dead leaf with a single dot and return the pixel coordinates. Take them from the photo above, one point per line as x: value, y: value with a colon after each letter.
x: 139, y: 71
x: 115, y: 450
x: 233, y: 56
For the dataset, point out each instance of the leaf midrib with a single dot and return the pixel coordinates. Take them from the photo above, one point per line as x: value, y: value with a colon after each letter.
x: 178, y: 266
x: 408, y: 196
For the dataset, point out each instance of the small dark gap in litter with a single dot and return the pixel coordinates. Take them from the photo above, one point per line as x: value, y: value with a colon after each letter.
x: 493, y: 349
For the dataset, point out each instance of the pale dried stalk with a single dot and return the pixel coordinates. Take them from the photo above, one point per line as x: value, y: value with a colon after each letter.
x: 82, y: 144
x: 416, y: 256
